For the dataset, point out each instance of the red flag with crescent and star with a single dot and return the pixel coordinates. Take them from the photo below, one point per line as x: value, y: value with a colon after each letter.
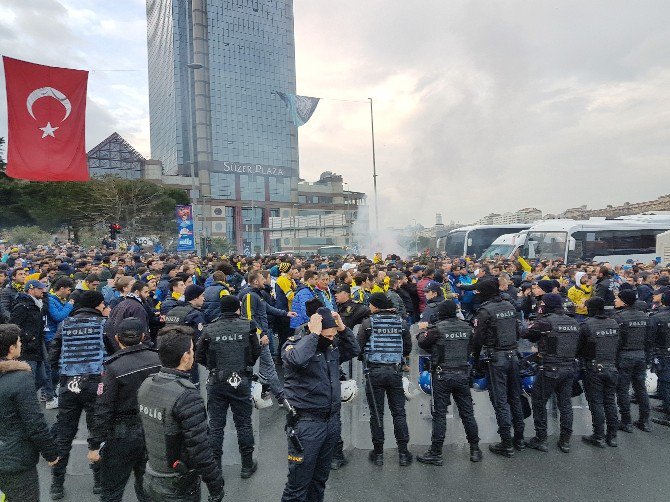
x: 46, y: 109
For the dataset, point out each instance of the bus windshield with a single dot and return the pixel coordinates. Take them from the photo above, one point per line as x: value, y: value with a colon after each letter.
x: 502, y: 250
x: 481, y: 238
x: 545, y: 245
x: 455, y: 244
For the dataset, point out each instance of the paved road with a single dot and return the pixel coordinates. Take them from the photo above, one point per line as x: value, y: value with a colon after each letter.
x: 637, y: 470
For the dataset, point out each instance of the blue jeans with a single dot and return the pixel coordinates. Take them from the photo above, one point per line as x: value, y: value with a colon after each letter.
x: 266, y: 367
x: 42, y: 378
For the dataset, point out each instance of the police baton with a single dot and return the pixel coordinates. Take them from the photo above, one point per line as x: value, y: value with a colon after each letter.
x: 366, y: 372
x: 291, y: 422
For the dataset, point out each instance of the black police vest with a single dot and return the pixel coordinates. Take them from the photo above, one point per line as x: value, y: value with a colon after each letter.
x: 178, y: 314
x: 561, y: 342
x: 662, y: 321
x: 455, y: 335
x: 385, y: 343
x: 634, y: 326
x: 156, y: 398
x: 603, y: 338
x: 228, y: 344
x: 502, y: 324
x: 83, y: 349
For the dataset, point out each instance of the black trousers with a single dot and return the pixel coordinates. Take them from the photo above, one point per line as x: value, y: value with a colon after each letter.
x: 70, y: 406
x: 220, y: 397
x: 559, y: 380
x: 505, y: 393
x: 120, y: 457
x: 632, y: 370
x: 386, y: 381
x: 309, y: 470
x: 601, y: 387
x: 458, y: 386
x: 21, y: 486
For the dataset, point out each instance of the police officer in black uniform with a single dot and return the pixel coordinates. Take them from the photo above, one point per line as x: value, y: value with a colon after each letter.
x: 175, y: 426
x: 635, y: 347
x: 605, y: 288
x: 598, y: 343
x: 385, y: 340
x: 188, y: 313
x: 79, y: 350
x: 229, y: 348
x: 557, y: 337
x: 448, y: 341
x: 495, y: 338
x: 434, y: 297
x: 352, y: 313
x: 312, y: 397
x: 116, y: 439
x: 660, y: 322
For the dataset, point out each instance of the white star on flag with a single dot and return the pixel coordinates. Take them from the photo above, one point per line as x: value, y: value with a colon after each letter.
x: 48, y: 130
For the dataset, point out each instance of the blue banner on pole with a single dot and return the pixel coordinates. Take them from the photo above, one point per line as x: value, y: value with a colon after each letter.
x: 186, y: 240
x: 301, y: 108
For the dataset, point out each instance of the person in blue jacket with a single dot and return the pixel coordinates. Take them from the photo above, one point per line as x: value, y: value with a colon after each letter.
x: 305, y: 292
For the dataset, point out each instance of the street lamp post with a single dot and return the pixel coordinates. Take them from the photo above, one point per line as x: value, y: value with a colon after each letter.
x: 374, y: 168
x: 194, y: 157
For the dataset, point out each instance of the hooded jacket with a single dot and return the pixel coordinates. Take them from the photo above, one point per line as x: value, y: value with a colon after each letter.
x: 579, y: 293
x: 29, y: 316
x: 23, y: 431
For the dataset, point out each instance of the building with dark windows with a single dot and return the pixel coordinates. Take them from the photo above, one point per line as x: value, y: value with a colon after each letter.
x: 215, y: 67
x: 114, y: 156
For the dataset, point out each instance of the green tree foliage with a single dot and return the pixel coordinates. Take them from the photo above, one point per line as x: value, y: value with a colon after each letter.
x: 139, y: 206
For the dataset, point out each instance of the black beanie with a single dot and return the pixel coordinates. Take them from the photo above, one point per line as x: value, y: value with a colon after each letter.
x: 552, y: 301
x: 546, y: 285
x: 91, y: 299
x: 312, y: 305
x: 192, y: 292
x: 488, y: 287
x: 446, y: 310
x: 229, y: 304
x: 381, y: 301
x: 628, y: 296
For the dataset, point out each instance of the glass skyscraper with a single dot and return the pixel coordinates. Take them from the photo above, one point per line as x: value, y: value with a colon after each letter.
x: 214, y: 69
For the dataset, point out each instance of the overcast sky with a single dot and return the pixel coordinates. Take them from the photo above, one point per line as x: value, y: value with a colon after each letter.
x: 480, y: 106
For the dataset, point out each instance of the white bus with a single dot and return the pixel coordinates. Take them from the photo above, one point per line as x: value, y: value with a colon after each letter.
x: 597, y: 239
x: 504, y: 246
x: 474, y: 239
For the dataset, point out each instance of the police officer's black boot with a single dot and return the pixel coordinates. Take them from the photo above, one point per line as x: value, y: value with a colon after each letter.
x: 57, y: 491
x: 537, y: 444
x: 433, y: 456
x: 376, y: 456
x: 475, y: 453
x: 338, y: 457
x: 249, y: 465
x: 594, y: 440
x: 625, y: 424
x: 643, y: 425
x: 519, y: 443
x: 504, y: 448
x: 564, y: 443
x: 404, y: 456
x: 610, y: 439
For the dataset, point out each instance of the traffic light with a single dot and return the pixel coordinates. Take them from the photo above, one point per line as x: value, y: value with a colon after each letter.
x: 114, y: 229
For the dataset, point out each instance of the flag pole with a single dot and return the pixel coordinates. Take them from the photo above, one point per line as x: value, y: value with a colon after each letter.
x: 374, y: 168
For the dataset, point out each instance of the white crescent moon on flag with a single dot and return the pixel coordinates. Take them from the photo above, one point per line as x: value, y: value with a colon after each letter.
x: 44, y: 92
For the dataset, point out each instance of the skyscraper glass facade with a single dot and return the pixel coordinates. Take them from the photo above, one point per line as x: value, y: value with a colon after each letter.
x: 254, y: 143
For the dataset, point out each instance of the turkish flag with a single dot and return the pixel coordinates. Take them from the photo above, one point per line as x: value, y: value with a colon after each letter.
x: 46, y: 109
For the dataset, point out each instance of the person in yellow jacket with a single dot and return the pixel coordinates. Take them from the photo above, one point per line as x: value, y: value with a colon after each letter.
x: 580, y: 293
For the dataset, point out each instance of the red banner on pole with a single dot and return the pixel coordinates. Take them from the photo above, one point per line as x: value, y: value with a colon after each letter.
x: 46, y: 109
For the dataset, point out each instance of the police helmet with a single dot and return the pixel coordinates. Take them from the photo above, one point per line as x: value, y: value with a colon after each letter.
x: 480, y: 384
x: 348, y: 390
x: 257, y: 396
x: 527, y: 383
x: 425, y: 382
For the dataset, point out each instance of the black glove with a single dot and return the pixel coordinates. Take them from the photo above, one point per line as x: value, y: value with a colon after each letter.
x: 215, y: 490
